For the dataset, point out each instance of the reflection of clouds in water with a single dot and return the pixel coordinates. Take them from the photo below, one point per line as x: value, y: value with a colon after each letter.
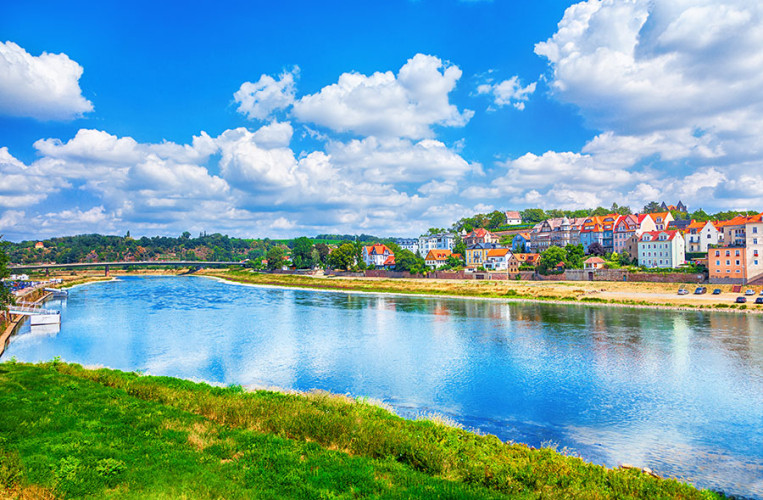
x: 522, y: 371
x: 669, y: 453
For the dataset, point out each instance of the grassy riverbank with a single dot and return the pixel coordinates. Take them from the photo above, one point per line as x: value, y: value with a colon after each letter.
x: 72, y: 433
x: 650, y: 295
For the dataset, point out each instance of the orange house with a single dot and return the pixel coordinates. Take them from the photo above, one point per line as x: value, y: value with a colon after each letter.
x: 727, y: 263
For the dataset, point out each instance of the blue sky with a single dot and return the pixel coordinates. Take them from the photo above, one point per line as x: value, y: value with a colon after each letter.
x: 279, y: 119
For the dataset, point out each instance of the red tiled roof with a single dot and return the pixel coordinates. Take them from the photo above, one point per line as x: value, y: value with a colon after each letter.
x: 440, y: 254
x: 390, y: 261
x: 377, y: 249
x: 656, y: 234
x: 595, y: 260
x: 498, y: 252
x: 513, y: 214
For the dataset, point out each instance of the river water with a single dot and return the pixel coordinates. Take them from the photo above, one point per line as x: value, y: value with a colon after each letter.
x: 679, y: 392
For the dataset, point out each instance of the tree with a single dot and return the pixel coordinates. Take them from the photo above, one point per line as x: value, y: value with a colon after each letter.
x: 597, y: 249
x: 550, y: 258
x: 533, y: 215
x: 343, y: 257
x: 700, y: 216
x: 625, y: 258
x: 574, y: 256
x: 496, y: 219
x: 453, y: 263
x: 6, y: 298
x: 323, y: 252
x: 652, y: 207
x: 406, y: 260
x: 459, y: 246
x: 275, y: 258
x: 301, y: 253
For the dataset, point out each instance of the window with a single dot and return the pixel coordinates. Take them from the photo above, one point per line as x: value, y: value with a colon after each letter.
x: 737, y: 253
x: 728, y: 262
x: 728, y: 253
x: 717, y: 253
x: 737, y: 263
x: 755, y: 229
x: 717, y: 262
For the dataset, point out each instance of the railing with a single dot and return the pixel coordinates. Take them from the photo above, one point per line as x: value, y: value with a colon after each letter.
x: 29, y: 310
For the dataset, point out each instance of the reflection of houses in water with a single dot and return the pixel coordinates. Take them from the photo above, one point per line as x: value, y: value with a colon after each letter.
x: 739, y: 333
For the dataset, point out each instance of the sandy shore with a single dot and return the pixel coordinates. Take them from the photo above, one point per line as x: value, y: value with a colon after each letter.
x: 608, y: 294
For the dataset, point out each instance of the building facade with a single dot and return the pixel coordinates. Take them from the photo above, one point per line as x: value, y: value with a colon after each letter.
x: 661, y: 249
x: 513, y: 218
x: 440, y: 241
x: 498, y: 259
x: 377, y: 255
x: 699, y: 236
x: 411, y: 244
x: 476, y: 255
x: 437, y: 258
x: 743, y: 235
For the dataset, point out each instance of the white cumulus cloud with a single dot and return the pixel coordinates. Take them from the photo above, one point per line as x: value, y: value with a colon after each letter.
x: 259, y: 99
x: 508, y: 92
x: 387, y: 105
x: 45, y: 87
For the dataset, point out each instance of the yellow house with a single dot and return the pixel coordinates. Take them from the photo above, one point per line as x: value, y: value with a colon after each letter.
x: 476, y: 255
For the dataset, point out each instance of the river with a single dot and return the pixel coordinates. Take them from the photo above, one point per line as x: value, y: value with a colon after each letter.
x: 679, y: 392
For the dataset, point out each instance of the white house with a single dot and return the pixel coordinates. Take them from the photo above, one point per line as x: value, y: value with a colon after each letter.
x: 411, y: 244
x: 440, y: 241
x: 700, y: 235
x: 498, y: 259
x: 662, y: 249
x: 376, y: 255
x: 513, y: 218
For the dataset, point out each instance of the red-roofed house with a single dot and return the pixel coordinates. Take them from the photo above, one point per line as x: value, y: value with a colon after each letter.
x: 700, y: 235
x: 661, y: 249
x: 437, y: 258
x: 661, y: 220
x: 513, y: 218
x: 740, y: 260
x: 497, y: 259
x: 479, y: 235
x: 594, y: 263
x: 376, y: 255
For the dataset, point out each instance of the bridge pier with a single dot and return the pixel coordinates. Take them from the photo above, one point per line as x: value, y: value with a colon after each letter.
x: 106, y: 271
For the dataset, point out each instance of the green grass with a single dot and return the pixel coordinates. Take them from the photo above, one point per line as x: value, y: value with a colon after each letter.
x: 75, y: 433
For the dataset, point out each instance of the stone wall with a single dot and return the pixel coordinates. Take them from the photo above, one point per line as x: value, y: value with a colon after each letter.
x: 668, y: 278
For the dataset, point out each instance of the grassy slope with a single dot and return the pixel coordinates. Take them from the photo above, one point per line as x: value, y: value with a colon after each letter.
x: 71, y: 432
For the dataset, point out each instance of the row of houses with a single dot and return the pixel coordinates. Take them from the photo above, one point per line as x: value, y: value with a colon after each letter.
x: 614, y: 232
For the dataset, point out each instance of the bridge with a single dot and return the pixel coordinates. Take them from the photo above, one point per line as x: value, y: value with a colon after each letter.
x: 108, y: 265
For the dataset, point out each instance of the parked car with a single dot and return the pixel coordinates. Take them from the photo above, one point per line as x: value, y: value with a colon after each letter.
x: 717, y: 291
x: 759, y: 300
x: 741, y: 300
x: 750, y: 292
x: 683, y: 291
x: 761, y: 292
x: 700, y: 290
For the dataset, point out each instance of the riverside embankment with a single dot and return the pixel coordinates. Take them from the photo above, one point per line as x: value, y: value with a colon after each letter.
x: 104, y: 433
x: 630, y: 294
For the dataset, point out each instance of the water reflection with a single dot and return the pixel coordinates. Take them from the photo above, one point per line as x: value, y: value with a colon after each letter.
x: 680, y: 392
